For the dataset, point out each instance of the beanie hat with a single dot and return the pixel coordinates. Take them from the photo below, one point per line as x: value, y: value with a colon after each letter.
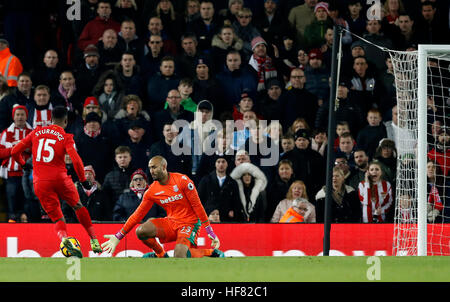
x: 139, y: 172
x: 17, y: 106
x: 258, y: 40
x: 302, y: 133
x: 315, y: 54
x: 93, y: 117
x: 91, y: 100
x: 91, y: 50
x: 322, y: 5
x: 90, y: 168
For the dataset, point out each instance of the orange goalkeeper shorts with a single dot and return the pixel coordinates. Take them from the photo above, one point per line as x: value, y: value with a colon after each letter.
x: 169, y: 230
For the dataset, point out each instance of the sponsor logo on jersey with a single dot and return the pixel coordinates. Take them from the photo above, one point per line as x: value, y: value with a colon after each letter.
x: 159, y: 193
x: 175, y: 188
x: 171, y: 199
x: 191, y: 186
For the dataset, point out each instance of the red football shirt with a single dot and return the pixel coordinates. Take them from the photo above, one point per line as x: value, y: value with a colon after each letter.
x: 49, y: 146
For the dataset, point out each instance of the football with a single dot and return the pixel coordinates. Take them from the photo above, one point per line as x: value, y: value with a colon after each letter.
x: 64, y: 250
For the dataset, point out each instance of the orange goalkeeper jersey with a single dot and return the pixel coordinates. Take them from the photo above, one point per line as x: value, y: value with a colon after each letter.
x: 178, y: 197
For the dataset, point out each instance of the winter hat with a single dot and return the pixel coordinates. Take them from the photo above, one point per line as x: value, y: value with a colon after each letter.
x: 315, y: 54
x: 90, y: 168
x: 302, y: 133
x: 202, y: 60
x: 17, y: 106
x: 322, y: 5
x: 258, y: 40
x: 139, y: 172
x: 205, y: 104
x: 91, y: 50
x: 91, y: 100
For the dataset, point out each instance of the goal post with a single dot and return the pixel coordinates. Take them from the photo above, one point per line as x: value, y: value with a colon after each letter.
x: 421, y: 77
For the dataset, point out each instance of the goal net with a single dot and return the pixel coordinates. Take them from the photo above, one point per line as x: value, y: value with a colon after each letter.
x: 422, y: 137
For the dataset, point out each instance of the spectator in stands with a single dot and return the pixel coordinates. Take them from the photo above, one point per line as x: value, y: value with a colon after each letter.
x: 128, y: 40
x: 128, y: 73
x: 279, y: 186
x: 125, y: 10
x: 309, y: 165
x: 319, y: 141
x: 370, y: 136
x: 221, y: 43
x: 261, y: 64
x: 4, y: 88
x: 356, y: 18
x: 299, y: 101
x: 139, y: 142
x: 392, y: 9
x: 386, y: 154
x: 301, y: 16
x: 287, y: 55
x: 174, y: 111
x: 345, y: 204
x: 48, y: 72
x: 252, y: 184
x: 361, y: 166
x: 206, y: 87
x: 245, y: 30
x: 270, y: 103
x: 235, y: 78
x: 171, y: 19
x: 271, y: 23
x: 109, y: 50
x: 89, y: 71
x: 229, y: 14
x: 334, y: 11
x: 376, y: 36
x: 186, y: 62
x: 10, y: 170
x: 440, y: 153
x: 109, y: 93
x: 287, y: 143
x: 296, y: 213
x: 317, y: 76
x: 341, y: 128
x: 185, y: 88
x: 341, y: 162
x: 95, y: 28
x: 131, y: 110
x: 159, y: 85
x: 94, y: 147
x: 364, y: 85
x: 346, y: 148
x: 314, y: 34
x: 131, y: 198
x: 10, y: 65
x: 88, y: 12
x: 149, y: 63
x: 245, y: 104
x: 437, y: 192
x: 68, y: 94
x: 155, y: 27
x: 40, y: 112
x: 302, y: 60
x: 22, y: 95
x: 375, y: 195
x: 430, y: 29
x: 299, y: 123
x: 218, y: 191
x: 164, y: 147
x: 206, y: 26
x: 407, y: 30
x: 296, y: 190
x: 192, y: 11
x: 118, y: 179
x: 93, y: 199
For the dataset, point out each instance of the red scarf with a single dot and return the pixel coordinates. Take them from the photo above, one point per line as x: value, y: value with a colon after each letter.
x: 264, y: 68
x: 140, y: 191
x: 92, y: 134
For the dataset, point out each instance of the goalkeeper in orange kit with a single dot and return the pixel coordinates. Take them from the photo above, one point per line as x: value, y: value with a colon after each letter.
x: 178, y: 196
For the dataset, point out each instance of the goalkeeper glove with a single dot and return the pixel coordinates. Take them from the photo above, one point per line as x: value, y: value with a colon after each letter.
x: 110, y: 245
x: 215, y: 240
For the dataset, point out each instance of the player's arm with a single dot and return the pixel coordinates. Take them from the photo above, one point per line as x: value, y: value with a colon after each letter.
x: 192, y: 195
x: 139, y: 214
x: 76, y: 159
x: 20, y: 147
x: 4, y: 152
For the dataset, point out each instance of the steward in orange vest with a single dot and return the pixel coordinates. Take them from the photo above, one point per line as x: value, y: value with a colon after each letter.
x: 10, y: 65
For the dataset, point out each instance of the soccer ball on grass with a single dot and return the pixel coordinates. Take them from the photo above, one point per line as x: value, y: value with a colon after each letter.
x: 64, y: 250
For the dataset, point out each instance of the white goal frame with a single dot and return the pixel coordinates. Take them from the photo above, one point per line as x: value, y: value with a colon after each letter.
x: 423, y: 51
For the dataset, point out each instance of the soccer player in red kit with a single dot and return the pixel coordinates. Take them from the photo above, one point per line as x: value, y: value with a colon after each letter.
x: 176, y: 193
x: 50, y: 180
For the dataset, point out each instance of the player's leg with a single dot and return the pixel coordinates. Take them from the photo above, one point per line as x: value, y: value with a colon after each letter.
x: 186, y: 246
x: 147, y: 233
x: 69, y: 193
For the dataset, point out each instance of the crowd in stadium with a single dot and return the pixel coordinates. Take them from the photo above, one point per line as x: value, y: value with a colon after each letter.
x: 128, y: 69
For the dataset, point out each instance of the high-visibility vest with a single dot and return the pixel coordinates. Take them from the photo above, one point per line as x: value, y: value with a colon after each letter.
x: 10, y: 67
x: 291, y: 216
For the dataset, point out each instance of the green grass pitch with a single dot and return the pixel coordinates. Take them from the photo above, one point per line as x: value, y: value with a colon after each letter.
x: 239, y: 269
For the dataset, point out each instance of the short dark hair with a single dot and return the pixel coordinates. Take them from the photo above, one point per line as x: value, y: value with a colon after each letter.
x: 59, y: 113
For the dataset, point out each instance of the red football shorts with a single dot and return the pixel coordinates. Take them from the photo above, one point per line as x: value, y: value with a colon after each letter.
x: 169, y: 230
x: 50, y: 192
